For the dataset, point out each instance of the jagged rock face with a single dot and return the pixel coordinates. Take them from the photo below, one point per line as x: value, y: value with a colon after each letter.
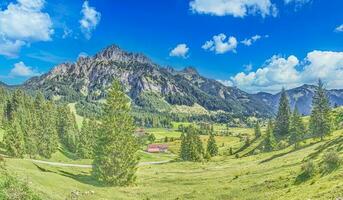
x: 91, y: 76
x: 301, y: 97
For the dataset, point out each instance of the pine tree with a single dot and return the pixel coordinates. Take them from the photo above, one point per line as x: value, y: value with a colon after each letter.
x: 212, y: 147
x: 269, y: 142
x: 184, y: 147
x: 87, y: 138
x: 257, y: 130
x: 191, y: 145
x: 67, y: 128
x: 282, y: 121
x: 116, y: 159
x: 14, y: 139
x: 321, y: 120
x: 48, y: 138
x: 297, y: 128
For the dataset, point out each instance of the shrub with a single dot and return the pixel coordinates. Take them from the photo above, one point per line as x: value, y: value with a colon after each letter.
x: 13, y: 189
x: 283, y: 144
x: 308, y: 170
x: 331, y: 160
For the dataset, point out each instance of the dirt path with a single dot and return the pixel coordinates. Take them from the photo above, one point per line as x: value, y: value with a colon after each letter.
x: 58, y: 164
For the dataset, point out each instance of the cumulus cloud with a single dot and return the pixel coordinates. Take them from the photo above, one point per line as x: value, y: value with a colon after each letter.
x: 21, y: 23
x: 10, y: 48
x: 250, y: 41
x: 90, y: 19
x: 289, y: 72
x: 236, y: 8
x: 20, y: 69
x: 180, y: 50
x: 220, y: 44
x: 339, y: 28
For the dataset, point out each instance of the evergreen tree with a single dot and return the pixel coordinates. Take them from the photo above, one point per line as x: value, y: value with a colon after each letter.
x: 116, y: 159
x: 212, y: 147
x: 14, y: 139
x: 297, y: 128
x: 67, y: 128
x: 191, y: 145
x: 269, y: 143
x: 282, y: 121
x: 48, y: 138
x: 184, y: 147
x: 87, y: 138
x: 321, y: 120
x: 257, y: 130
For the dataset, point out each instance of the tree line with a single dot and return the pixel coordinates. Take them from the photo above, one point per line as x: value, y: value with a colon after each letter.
x: 289, y: 127
x: 35, y: 127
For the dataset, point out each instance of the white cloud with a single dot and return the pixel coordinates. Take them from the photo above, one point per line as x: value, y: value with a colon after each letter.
x: 180, y: 50
x: 280, y: 72
x: 339, y: 28
x: 250, y: 41
x: 20, y: 69
x: 236, y: 8
x: 226, y: 82
x: 22, y: 23
x: 248, y: 67
x: 220, y: 45
x: 10, y: 48
x: 298, y: 2
x: 90, y: 19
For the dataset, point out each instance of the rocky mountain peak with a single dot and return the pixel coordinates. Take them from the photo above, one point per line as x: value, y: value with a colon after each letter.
x: 115, y: 53
x: 190, y: 70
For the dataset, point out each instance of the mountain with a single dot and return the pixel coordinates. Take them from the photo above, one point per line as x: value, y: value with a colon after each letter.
x: 145, y: 82
x: 2, y: 84
x: 301, y: 97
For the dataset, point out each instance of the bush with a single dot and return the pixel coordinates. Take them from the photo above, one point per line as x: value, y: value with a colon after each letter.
x: 13, y: 189
x: 283, y: 144
x: 331, y: 160
x: 308, y: 170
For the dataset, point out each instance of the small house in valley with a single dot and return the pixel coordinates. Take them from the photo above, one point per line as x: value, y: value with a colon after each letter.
x: 157, y: 148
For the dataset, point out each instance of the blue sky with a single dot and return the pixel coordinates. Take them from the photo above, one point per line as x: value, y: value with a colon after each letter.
x: 256, y: 45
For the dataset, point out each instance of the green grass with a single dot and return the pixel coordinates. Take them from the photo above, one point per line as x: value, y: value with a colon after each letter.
x: 2, y: 132
x: 79, y: 119
x: 161, y: 133
x: 264, y: 176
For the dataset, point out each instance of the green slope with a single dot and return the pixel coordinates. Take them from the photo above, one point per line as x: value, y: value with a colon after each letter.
x: 263, y: 176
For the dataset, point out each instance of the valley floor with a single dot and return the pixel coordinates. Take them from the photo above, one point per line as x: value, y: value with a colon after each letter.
x: 271, y: 175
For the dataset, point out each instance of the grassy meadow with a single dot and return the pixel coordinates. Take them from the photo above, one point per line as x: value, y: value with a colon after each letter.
x: 273, y: 175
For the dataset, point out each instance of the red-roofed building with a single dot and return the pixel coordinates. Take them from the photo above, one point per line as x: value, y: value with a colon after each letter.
x: 157, y: 148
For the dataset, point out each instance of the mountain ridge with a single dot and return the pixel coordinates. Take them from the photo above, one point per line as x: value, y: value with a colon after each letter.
x: 90, y: 76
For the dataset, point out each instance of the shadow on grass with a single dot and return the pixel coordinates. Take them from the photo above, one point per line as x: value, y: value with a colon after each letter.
x: 42, y: 169
x: 82, y: 178
x: 285, y: 153
x: 301, y: 178
x: 326, y: 145
x: 245, y: 146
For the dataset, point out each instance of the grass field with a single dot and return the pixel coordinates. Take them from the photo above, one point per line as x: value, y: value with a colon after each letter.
x: 1, y: 134
x: 263, y: 176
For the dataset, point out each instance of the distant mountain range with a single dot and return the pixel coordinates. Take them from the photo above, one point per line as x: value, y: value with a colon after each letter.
x: 145, y: 83
x: 301, y: 97
x: 153, y: 87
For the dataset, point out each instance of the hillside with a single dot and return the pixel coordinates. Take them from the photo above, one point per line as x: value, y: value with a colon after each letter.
x: 144, y: 82
x: 301, y: 97
x: 273, y: 175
